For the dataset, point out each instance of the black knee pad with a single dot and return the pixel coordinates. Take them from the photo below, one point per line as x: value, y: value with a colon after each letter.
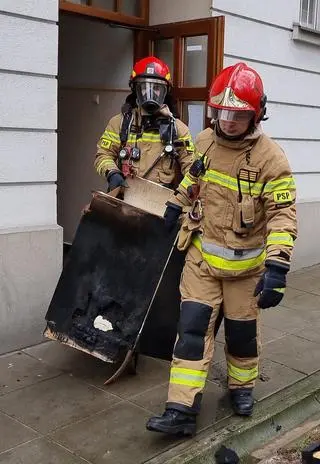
x: 241, y: 338
x: 193, y: 325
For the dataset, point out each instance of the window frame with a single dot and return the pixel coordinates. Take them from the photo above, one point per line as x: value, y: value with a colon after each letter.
x: 213, y: 27
x: 115, y: 16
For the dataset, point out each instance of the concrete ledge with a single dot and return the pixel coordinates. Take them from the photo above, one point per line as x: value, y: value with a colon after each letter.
x: 274, y: 415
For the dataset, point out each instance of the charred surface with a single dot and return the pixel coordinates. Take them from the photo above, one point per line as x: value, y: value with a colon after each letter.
x: 112, y: 271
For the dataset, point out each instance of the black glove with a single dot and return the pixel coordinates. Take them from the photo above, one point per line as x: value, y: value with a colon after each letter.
x: 272, y: 285
x: 171, y: 215
x: 115, y: 179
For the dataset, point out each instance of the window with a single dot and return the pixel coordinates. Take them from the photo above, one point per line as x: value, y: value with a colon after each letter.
x: 194, y: 52
x: 310, y: 14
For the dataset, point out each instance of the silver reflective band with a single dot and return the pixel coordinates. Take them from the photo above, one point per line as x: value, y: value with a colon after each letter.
x: 229, y: 254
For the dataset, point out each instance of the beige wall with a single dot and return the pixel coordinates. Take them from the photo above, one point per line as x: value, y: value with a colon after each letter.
x: 169, y: 11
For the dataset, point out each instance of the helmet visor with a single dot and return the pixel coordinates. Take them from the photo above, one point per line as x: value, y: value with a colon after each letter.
x: 151, y: 91
x: 230, y: 115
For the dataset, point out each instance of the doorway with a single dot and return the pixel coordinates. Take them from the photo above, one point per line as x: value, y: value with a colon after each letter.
x: 95, y: 62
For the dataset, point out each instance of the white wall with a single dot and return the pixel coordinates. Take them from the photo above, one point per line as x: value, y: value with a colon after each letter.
x: 30, y: 240
x: 28, y: 116
x: 260, y: 33
x: 103, y: 70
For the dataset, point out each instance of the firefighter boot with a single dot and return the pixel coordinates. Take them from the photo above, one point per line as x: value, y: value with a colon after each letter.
x: 173, y: 422
x: 242, y: 401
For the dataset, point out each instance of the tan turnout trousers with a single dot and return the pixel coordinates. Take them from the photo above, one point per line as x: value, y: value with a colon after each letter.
x: 202, y: 293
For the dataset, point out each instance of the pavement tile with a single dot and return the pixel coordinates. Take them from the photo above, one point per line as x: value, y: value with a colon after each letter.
x: 269, y: 334
x: 218, y: 374
x: 306, y: 279
x: 12, y: 433
x: 54, y: 403
x: 150, y: 372
x: 274, y: 377
x: 218, y: 354
x: 39, y: 451
x: 19, y: 370
x: 298, y: 299
x: 310, y: 333
x: 215, y: 405
x: 295, y: 352
x: 283, y: 319
x: 118, y: 436
x: 69, y: 359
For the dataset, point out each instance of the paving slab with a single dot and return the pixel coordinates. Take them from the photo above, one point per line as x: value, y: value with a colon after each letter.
x: 19, y: 370
x: 269, y: 334
x: 118, y: 436
x: 306, y: 280
x: 284, y: 319
x: 40, y: 451
x: 301, y: 300
x: 13, y: 433
x: 295, y: 352
x: 94, y: 371
x: 53, y: 403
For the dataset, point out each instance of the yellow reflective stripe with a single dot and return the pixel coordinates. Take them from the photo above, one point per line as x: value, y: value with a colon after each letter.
x: 242, y: 375
x: 280, y: 238
x: 279, y: 290
x: 145, y: 138
x: 229, y: 265
x: 216, y: 177
x: 114, y: 137
x: 186, y: 182
x: 104, y: 165
x: 109, y: 135
x: 183, y: 370
x: 286, y: 183
x: 231, y: 183
x: 188, y: 377
x: 186, y: 137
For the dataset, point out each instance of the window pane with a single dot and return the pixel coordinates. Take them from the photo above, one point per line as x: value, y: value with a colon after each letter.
x: 163, y: 49
x: 131, y: 7
x: 195, y: 61
x: 193, y: 114
x: 104, y: 4
x: 308, y: 13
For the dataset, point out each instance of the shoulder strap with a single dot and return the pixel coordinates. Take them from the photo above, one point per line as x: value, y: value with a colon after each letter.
x: 127, y: 117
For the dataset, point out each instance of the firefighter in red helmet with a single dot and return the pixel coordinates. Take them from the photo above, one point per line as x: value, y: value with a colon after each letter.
x: 239, y: 234
x: 147, y: 139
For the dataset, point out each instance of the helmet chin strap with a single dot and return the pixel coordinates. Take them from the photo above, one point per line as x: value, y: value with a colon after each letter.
x: 233, y: 138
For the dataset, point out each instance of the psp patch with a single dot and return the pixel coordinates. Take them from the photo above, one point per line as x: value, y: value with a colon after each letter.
x: 105, y: 143
x: 282, y: 196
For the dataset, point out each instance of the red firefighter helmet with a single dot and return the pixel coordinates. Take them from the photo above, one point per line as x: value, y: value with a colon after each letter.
x: 237, y: 88
x: 150, y: 80
x: 151, y: 67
